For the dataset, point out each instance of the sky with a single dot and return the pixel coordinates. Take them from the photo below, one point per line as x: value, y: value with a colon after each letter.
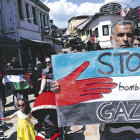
x: 62, y: 10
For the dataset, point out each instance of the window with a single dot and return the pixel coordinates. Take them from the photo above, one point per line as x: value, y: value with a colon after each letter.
x: 27, y: 12
x: 34, y: 15
x: 105, y: 30
x: 47, y: 20
x: 20, y: 9
x: 41, y: 20
x: 44, y: 20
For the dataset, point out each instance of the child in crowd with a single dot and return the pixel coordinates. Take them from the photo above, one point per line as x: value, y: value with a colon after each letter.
x: 25, y: 129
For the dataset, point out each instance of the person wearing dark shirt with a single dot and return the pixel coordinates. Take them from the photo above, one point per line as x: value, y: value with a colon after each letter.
x: 36, y: 78
x: 47, y: 76
x: 14, y: 63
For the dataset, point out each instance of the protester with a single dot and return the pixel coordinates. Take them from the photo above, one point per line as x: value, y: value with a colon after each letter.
x: 2, y: 93
x: 47, y: 76
x: 136, y: 41
x: 8, y: 66
x: 30, y: 67
x: 122, y: 37
x: 93, y: 43
x: 36, y: 78
x: 83, y: 50
x: 96, y: 46
x: 28, y: 76
x: 19, y: 93
x: 14, y: 63
x: 122, y: 34
x: 1, y: 123
x: 25, y: 129
x: 14, y: 67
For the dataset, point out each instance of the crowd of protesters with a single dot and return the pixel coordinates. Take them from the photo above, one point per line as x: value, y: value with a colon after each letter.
x: 122, y: 36
x: 41, y: 75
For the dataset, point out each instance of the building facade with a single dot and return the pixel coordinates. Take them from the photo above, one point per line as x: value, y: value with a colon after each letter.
x: 74, y: 22
x: 100, y: 24
x: 26, y: 22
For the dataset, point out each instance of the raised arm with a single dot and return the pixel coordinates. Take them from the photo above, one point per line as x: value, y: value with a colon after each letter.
x: 43, y: 84
x: 10, y: 117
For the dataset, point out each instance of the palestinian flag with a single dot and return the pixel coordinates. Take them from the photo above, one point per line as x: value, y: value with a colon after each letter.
x: 15, y: 80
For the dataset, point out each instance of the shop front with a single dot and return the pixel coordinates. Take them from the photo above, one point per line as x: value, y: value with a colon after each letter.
x: 34, y: 49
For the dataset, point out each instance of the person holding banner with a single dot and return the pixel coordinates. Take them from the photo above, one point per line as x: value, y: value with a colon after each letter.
x: 36, y: 78
x: 122, y: 37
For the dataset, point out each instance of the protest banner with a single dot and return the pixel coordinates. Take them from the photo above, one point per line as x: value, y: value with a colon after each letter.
x: 98, y: 86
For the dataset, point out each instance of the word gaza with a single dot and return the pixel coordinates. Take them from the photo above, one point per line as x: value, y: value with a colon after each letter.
x: 114, y: 111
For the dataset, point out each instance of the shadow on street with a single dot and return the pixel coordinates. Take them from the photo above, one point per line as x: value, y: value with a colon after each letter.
x: 75, y: 136
x: 9, y: 104
x: 13, y: 136
x: 10, y: 112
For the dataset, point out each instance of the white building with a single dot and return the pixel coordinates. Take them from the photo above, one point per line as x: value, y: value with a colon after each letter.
x: 74, y: 22
x: 101, y: 24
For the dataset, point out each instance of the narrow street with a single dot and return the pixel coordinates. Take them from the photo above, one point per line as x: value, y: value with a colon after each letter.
x: 89, y: 132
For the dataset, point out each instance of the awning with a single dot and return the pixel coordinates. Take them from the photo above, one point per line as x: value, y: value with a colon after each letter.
x: 29, y: 43
x: 37, y: 42
x: 9, y: 43
x: 66, y: 35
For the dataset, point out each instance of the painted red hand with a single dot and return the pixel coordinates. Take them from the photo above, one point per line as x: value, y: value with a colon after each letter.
x: 74, y: 91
